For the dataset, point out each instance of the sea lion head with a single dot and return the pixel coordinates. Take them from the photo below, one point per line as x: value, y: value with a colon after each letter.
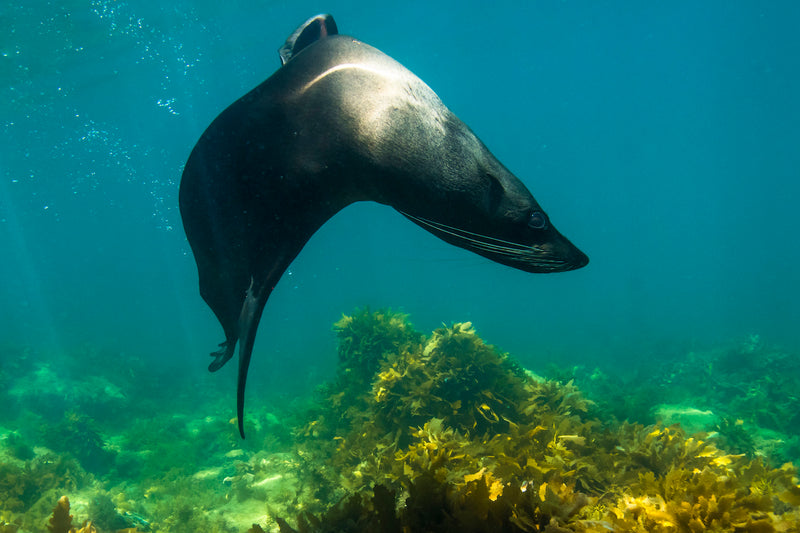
x: 489, y: 211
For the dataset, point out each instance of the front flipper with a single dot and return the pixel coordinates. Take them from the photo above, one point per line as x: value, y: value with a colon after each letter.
x: 248, y: 325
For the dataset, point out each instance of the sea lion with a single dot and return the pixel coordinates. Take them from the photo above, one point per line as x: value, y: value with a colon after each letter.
x: 341, y: 122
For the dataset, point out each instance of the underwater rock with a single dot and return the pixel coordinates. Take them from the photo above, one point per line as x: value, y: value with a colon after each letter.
x: 52, y: 390
x: 43, y: 391
x: 691, y: 419
x: 17, y: 446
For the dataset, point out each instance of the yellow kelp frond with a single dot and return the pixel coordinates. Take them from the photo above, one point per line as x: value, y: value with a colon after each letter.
x: 463, y: 433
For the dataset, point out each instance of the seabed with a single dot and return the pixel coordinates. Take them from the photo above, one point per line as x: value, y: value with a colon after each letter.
x: 437, y: 432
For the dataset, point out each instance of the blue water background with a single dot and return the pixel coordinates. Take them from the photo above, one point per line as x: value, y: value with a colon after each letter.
x: 663, y: 138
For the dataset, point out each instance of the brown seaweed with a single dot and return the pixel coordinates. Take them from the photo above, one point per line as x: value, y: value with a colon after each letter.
x: 467, y: 441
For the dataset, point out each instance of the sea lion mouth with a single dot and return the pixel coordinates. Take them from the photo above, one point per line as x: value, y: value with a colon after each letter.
x: 555, y: 255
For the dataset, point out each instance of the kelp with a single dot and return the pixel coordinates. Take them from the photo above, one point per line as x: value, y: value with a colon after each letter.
x: 494, y: 448
x: 434, y: 506
x: 61, y: 521
x: 474, y: 387
x: 365, y: 339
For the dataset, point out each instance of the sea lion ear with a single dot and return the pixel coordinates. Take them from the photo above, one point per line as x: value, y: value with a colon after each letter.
x: 309, y: 32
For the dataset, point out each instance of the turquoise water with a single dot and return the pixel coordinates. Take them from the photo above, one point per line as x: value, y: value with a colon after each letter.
x: 661, y: 138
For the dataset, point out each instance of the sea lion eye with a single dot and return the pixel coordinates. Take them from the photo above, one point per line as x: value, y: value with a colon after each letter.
x: 537, y: 220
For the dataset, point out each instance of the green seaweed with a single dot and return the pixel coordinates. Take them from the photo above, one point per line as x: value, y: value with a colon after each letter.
x: 78, y: 435
x: 733, y: 435
x: 22, y: 486
x: 364, y: 340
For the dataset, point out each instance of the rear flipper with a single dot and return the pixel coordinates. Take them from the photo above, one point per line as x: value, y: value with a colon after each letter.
x: 222, y: 356
x: 248, y: 325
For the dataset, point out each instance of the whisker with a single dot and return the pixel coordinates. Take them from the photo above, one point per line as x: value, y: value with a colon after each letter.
x: 440, y: 225
x: 496, y: 249
x: 487, y: 247
x: 513, y: 251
